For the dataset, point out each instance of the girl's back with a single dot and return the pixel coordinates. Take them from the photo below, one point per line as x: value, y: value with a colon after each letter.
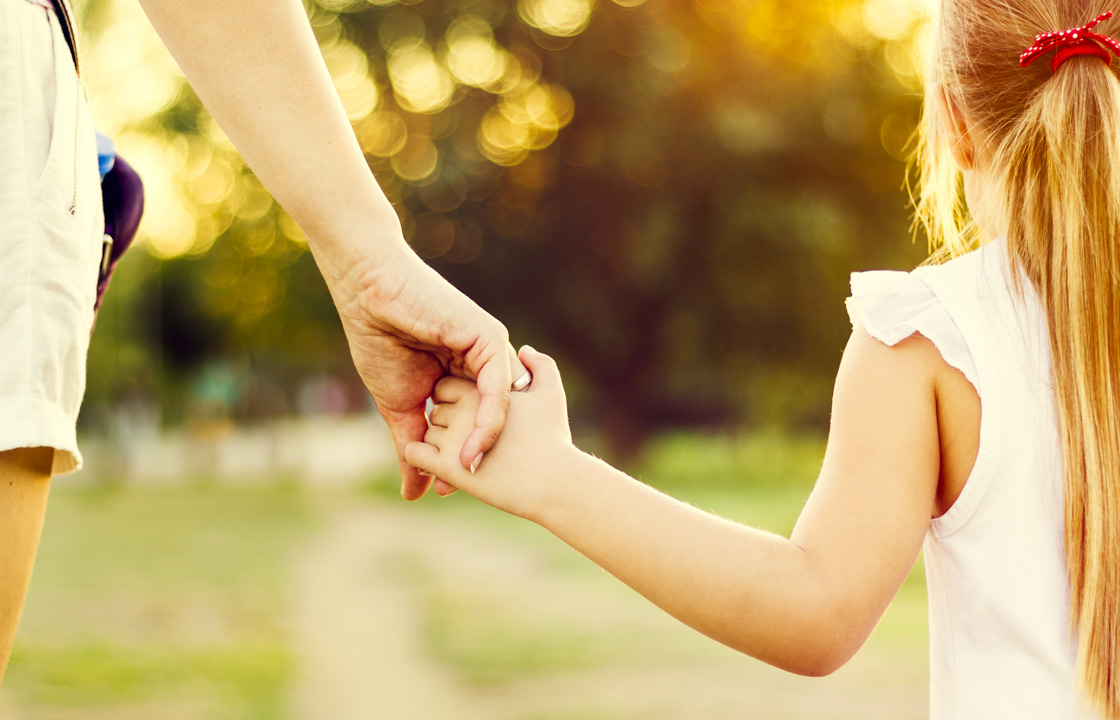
x: 1000, y: 644
x: 1023, y: 103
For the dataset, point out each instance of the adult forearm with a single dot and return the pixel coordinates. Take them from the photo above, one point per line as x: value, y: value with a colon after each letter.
x: 752, y: 590
x: 257, y: 67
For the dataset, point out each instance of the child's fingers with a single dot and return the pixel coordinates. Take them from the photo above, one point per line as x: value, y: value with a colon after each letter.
x: 546, y: 376
x: 422, y: 456
x: 440, y: 416
x: 436, y: 436
x: 451, y: 389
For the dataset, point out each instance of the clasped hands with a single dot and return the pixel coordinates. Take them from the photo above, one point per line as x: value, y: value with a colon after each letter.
x: 408, y: 329
x: 535, y: 443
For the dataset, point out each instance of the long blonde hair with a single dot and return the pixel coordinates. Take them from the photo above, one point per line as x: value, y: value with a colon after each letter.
x: 1050, y: 144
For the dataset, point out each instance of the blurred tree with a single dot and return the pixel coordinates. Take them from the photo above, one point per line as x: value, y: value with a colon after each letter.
x: 667, y: 195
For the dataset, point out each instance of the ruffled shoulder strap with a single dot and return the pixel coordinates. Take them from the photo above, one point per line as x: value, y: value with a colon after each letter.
x: 891, y: 306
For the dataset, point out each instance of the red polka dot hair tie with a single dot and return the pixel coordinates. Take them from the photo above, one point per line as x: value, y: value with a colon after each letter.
x: 1071, y: 43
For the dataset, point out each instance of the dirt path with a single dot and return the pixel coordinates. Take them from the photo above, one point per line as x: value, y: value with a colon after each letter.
x: 360, y: 639
x: 358, y: 633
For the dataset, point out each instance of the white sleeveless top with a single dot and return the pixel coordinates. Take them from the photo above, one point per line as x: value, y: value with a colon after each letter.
x: 1000, y: 643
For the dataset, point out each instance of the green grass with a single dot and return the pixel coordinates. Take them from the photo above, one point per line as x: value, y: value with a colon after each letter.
x: 492, y: 649
x: 151, y: 602
x: 239, y: 679
x: 160, y: 598
x: 755, y: 460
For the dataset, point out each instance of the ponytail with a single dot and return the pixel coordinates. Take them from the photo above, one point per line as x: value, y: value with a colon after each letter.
x: 1063, y: 230
x: 1054, y: 155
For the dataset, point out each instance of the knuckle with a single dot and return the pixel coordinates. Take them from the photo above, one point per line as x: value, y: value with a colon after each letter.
x: 487, y: 435
x: 487, y: 439
x: 450, y: 389
x: 500, y: 403
x: 500, y: 331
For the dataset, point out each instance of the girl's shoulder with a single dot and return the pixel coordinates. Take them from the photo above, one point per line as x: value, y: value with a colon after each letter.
x: 949, y: 303
x: 891, y: 305
x: 943, y: 304
x: 965, y: 276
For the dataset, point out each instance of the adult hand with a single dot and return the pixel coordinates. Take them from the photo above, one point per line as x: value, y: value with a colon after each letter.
x: 407, y: 328
x: 257, y: 67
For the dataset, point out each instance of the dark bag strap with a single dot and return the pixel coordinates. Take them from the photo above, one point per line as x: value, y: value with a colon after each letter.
x: 65, y: 19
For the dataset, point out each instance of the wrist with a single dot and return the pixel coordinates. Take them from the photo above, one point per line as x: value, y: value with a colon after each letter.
x: 368, y: 273
x: 561, y: 478
x: 366, y: 247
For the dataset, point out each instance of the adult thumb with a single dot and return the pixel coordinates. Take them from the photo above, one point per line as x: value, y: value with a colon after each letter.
x: 546, y: 376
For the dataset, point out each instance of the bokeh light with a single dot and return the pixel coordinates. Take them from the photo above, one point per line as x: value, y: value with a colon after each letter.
x: 562, y: 18
x: 417, y: 159
x: 420, y: 82
x: 584, y: 137
x: 382, y: 133
x: 195, y: 189
x: 472, y: 55
x: 349, y: 71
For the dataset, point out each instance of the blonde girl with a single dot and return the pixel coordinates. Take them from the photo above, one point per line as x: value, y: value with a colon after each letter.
x: 976, y: 411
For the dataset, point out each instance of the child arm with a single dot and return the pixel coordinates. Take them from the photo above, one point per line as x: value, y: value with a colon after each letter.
x: 805, y: 604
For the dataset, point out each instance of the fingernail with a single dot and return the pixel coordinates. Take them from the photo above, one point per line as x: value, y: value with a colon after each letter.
x: 474, y: 465
x: 424, y: 473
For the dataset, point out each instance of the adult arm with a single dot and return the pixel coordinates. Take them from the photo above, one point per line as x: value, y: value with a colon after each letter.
x: 256, y: 66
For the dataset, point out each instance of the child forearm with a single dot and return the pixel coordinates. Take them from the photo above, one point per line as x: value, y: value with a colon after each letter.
x: 751, y: 590
x: 806, y: 604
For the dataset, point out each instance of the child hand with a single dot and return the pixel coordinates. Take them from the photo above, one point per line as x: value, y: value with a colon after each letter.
x: 516, y: 474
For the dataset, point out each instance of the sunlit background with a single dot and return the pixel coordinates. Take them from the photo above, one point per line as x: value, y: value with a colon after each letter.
x: 666, y: 195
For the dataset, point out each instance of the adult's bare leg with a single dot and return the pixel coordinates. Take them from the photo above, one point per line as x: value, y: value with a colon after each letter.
x: 25, y: 480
